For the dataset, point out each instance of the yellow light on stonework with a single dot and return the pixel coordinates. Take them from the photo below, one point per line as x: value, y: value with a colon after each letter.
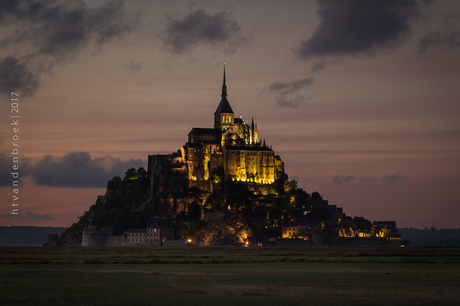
x: 189, y: 240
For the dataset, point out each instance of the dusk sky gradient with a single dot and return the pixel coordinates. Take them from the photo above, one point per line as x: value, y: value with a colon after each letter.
x: 361, y: 99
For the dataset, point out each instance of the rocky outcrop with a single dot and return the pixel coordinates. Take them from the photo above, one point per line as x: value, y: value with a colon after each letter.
x: 231, y: 231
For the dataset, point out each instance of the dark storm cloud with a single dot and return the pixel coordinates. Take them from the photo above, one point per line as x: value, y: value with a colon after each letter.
x: 78, y: 169
x: 200, y: 27
x: 45, y: 33
x: 134, y: 66
x: 449, y: 40
x: 287, y: 93
x: 338, y: 180
x: 15, y: 76
x: 357, y: 27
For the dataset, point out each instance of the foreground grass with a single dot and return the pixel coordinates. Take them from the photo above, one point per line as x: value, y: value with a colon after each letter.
x: 228, y: 276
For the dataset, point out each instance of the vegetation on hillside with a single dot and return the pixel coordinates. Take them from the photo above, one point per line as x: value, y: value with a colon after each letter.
x: 127, y: 204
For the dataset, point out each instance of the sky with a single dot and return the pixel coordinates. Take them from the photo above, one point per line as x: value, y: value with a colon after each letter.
x: 360, y: 98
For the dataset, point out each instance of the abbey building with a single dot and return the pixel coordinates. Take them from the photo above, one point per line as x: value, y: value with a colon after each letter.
x: 233, y: 146
x: 230, y: 151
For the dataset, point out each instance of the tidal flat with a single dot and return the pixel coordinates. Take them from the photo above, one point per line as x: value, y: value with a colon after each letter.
x: 229, y: 276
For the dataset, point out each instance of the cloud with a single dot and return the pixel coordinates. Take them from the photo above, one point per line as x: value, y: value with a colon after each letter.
x: 436, y: 39
x: 134, y: 66
x: 75, y: 169
x: 200, y: 27
x: 343, y: 179
x: 318, y: 66
x: 287, y: 93
x: 44, y: 33
x: 359, y: 27
x: 285, y: 88
x: 368, y: 180
x: 33, y: 216
x: 292, y: 102
x: 398, y: 177
x: 5, y: 169
x: 78, y: 170
x: 29, y: 216
x: 16, y: 76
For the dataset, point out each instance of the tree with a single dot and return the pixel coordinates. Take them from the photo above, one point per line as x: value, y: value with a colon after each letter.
x: 141, y: 172
x: 317, y: 199
x: 130, y: 174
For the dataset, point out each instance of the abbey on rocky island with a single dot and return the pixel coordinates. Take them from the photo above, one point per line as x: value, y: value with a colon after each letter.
x: 224, y: 186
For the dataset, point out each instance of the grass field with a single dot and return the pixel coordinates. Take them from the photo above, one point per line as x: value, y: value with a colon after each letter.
x: 228, y: 276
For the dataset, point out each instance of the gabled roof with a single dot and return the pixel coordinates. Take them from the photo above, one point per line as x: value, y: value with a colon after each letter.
x: 224, y: 107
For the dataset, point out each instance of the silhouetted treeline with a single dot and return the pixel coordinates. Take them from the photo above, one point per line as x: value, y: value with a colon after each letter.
x: 27, y: 235
x: 431, y: 236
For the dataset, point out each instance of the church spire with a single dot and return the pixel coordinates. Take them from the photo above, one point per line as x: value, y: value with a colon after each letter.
x: 224, y: 84
x: 224, y: 116
x: 224, y: 106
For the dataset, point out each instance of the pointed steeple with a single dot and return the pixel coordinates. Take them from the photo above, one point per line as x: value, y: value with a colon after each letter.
x: 224, y: 116
x: 224, y: 85
x: 224, y: 106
